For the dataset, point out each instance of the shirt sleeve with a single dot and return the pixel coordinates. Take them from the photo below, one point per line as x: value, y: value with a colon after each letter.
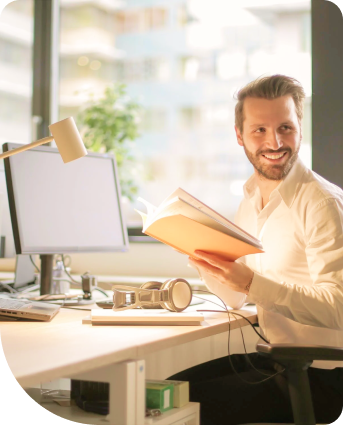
x: 231, y: 298
x: 320, y: 304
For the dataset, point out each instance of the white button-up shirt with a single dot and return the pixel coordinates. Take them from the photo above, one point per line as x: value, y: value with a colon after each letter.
x: 298, y: 281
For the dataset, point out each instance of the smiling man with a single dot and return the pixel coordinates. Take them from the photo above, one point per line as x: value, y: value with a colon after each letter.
x: 297, y: 283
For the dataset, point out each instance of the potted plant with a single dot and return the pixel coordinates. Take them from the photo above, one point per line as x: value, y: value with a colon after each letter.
x: 110, y: 124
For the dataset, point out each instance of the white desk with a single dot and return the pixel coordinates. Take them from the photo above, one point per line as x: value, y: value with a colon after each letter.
x: 66, y: 348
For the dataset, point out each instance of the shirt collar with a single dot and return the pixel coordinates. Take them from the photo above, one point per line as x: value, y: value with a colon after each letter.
x: 288, y: 188
x: 250, y: 187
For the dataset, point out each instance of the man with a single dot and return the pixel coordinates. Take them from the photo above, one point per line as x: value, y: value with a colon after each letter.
x: 297, y: 283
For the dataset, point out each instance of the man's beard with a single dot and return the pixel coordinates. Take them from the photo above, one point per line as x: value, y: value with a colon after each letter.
x: 270, y: 171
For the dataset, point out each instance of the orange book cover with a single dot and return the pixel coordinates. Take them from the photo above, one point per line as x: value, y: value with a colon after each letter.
x: 188, y: 225
x: 187, y: 235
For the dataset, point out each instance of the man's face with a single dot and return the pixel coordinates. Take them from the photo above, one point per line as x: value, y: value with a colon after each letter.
x: 271, y: 135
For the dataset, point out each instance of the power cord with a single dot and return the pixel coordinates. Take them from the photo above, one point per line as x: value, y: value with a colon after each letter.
x: 75, y: 281
x: 100, y: 290
x: 229, y: 354
x: 67, y: 273
x: 34, y: 264
x: 8, y: 287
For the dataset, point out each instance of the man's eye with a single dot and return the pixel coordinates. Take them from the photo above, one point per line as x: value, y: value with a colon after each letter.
x: 286, y: 127
x: 260, y: 130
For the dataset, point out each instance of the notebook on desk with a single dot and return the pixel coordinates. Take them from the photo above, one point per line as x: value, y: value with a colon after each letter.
x: 145, y: 317
x: 16, y: 309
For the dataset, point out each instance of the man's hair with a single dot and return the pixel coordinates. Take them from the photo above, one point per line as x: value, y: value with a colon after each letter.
x: 270, y: 87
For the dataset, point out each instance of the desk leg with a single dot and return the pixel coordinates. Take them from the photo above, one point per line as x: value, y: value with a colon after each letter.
x: 127, y: 393
x: 127, y: 390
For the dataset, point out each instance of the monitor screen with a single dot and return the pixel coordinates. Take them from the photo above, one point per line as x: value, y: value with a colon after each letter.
x: 60, y: 208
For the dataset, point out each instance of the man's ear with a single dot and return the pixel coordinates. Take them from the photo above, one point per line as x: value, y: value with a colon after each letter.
x: 239, y: 136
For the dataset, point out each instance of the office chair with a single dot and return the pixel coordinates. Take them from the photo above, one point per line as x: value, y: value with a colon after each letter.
x: 296, y: 360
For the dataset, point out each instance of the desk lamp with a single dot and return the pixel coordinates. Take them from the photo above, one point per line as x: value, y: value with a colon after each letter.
x: 70, y: 147
x: 67, y: 138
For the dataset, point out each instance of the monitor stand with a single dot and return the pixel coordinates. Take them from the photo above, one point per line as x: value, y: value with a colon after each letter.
x: 46, y: 279
x: 46, y: 270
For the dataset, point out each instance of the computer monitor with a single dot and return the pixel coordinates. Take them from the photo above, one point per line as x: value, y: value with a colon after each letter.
x: 24, y: 268
x: 24, y: 272
x: 6, y: 232
x: 61, y: 208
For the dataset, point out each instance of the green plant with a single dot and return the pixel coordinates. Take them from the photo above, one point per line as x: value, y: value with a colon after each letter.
x: 110, y: 124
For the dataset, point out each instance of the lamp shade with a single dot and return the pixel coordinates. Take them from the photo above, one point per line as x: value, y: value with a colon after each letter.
x: 68, y: 140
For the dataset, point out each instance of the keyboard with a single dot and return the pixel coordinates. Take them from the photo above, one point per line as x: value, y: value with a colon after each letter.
x: 12, y: 304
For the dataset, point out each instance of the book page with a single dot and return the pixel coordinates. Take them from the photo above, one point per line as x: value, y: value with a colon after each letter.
x: 164, y: 206
x: 178, y: 193
x: 203, y: 207
x: 196, y: 210
x: 150, y: 208
x: 144, y: 218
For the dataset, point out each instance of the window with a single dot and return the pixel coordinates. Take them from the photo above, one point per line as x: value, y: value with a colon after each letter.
x: 16, y: 35
x: 183, y: 62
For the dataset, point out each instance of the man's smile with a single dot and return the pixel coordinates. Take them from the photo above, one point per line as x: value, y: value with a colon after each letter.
x: 273, y: 165
x: 275, y: 157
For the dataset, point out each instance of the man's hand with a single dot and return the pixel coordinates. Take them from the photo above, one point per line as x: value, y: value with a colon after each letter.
x: 236, y: 276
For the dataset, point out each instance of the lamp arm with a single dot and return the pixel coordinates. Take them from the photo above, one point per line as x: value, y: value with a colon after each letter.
x: 26, y: 147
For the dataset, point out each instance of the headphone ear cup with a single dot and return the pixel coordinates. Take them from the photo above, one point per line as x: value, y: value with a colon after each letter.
x: 166, y: 284
x: 180, y: 294
x: 152, y: 285
x: 166, y: 304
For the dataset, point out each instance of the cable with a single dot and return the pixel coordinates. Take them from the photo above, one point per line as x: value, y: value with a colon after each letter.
x: 76, y: 308
x: 245, y: 318
x: 240, y: 328
x: 75, y: 281
x: 247, y: 357
x: 100, y: 290
x: 35, y: 265
x: 67, y: 273
x: 229, y: 354
x: 9, y: 288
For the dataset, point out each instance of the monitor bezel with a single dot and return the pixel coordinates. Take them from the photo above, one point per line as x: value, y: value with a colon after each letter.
x: 59, y: 250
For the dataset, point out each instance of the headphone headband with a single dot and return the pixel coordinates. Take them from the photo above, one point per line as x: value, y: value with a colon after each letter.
x: 174, y: 295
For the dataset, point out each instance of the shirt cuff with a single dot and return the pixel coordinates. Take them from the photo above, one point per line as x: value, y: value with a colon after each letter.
x: 263, y: 291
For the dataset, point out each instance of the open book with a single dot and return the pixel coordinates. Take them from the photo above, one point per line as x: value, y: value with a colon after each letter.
x: 186, y: 224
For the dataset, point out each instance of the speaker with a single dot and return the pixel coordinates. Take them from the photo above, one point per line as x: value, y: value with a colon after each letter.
x: 174, y: 295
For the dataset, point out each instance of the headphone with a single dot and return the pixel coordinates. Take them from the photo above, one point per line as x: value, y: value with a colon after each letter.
x: 174, y: 295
